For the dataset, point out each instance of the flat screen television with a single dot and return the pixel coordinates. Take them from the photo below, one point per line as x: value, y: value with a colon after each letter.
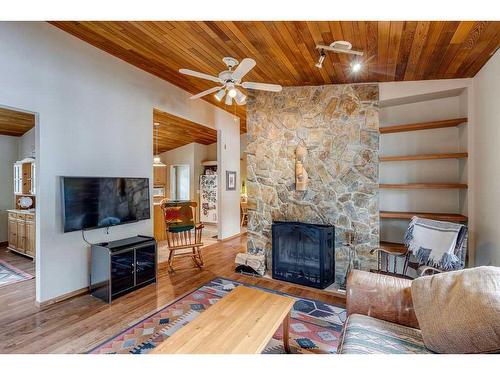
x: 98, y: 202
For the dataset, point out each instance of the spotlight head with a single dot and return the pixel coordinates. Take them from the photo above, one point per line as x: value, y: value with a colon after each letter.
x: 355, y: 66
x: 322, y: 55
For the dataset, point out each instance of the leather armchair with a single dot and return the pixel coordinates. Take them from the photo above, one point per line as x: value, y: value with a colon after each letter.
x: 380, y: 296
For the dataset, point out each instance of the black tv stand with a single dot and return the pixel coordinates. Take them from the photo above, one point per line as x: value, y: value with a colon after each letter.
x: 121, y: 266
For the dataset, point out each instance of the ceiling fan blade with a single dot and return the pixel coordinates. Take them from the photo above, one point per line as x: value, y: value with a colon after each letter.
x: 193, y: 73
x: 243, y: 68
x: 262, y: 86
x: 206, y: 92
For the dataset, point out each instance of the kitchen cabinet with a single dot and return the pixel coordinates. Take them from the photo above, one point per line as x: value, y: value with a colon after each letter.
x: 159, y: 176
x: 21, y: 228
x: 24, y: 177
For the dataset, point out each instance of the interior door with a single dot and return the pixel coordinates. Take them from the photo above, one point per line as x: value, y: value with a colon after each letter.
x: 122, y: 271
x: 145, y: 258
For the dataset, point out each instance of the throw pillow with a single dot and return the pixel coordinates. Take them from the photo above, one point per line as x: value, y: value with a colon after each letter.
x: 459, y: 311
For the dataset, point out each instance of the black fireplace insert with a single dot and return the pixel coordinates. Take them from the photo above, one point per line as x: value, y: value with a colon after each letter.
x: 304, y: 253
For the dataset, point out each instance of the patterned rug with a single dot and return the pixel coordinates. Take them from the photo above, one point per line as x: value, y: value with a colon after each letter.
x: 10, y: 274
x: 315, y: 326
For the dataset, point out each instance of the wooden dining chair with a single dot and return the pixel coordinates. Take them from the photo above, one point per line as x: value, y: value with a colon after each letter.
x: 182, y: 232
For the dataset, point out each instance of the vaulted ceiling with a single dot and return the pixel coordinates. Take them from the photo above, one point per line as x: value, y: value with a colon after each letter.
x: 176, y: 131
x: 285, y: 51
x: 15, y: 123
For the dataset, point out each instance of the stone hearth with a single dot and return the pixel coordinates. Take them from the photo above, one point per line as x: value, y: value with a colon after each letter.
x: 338, y: 124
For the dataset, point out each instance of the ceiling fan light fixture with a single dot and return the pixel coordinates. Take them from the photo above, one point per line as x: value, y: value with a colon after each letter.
x: 240, y: 97
x: 229, y: 100
x: 232, y: 92
x: 220, y: 94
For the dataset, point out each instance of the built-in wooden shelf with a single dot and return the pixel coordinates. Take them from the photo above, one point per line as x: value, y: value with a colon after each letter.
x: 454, y: 155
x: 424, y: 186
x: 393, y: 247
x: 422, y: 126
x: 426, y: 215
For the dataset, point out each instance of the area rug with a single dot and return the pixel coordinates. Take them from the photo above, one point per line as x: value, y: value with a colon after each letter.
x: 10, y: 274
x: 315, y: 326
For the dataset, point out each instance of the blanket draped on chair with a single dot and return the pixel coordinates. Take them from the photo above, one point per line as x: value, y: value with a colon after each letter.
x: 439, y: 244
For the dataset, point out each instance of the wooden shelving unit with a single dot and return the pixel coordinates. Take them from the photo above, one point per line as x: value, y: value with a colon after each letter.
x: 453, y: 155
x: 403, y: 194
x: 426, y: 215
x: 422, y: 126
x: 424, y: 186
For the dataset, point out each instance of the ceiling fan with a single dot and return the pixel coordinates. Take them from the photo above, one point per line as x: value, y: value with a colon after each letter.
x: 230, y: 80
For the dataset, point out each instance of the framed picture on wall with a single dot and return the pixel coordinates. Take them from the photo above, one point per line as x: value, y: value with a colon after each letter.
x: 230, y: 180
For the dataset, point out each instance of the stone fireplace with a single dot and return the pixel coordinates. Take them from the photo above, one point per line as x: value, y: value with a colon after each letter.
x: 338, y: 127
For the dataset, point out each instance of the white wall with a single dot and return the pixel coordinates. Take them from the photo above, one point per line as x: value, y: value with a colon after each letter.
x: 8, y: 155
x: 486, y: 140
x: 27, y: 145
x: 183, y: 155
x: 95, y: 115
x: 211, y: 152
x: 228, y: 151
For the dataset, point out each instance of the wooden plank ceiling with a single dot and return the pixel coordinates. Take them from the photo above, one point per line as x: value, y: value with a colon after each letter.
x: 285, y: 51
x: 15, y: 123
x: 176, y: 131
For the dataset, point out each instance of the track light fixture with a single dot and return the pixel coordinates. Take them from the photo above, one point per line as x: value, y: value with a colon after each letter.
x: 339, y: 46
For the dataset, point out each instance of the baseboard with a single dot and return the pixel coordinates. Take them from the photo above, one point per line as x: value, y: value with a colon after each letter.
x: 49, y: 302
x: 4, y: 244
x: 231, y: 237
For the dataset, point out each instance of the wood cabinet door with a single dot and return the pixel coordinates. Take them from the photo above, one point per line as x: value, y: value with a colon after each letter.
x: 26, y: 170
x: 33, y: 181
x: 30, y: 237
x: 159, y: 175
x: 21, y: 235
x: 156, y: 175
x: 13, y: 233
x: 18, y: 179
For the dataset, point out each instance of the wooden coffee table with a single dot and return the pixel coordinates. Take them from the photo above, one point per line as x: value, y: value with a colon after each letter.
x: 242, y: 322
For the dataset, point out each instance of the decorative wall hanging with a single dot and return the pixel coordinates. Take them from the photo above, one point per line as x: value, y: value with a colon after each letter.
x: 301, y: 177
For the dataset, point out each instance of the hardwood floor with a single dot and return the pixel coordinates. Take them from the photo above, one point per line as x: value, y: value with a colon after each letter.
x: 78, y: 324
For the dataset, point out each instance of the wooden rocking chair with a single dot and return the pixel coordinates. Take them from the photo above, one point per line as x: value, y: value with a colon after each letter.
x: 182, y: 232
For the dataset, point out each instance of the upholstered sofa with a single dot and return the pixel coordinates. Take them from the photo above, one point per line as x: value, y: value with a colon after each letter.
x: 380, y: 316
x: 453, y: 312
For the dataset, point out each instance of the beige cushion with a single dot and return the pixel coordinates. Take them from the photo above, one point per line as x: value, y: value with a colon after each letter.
x: 459, y: 312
